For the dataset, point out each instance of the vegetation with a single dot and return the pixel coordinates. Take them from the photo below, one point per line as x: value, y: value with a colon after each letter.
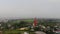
x: 21, y: 24
x: 16, y: 32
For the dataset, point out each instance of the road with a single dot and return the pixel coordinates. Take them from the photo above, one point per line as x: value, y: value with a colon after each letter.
x: 39, y: 32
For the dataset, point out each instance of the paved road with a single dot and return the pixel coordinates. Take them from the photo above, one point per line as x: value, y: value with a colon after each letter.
x: 39, y: 32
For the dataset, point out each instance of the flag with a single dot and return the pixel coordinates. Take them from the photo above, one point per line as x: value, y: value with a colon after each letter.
x: 35, y: 22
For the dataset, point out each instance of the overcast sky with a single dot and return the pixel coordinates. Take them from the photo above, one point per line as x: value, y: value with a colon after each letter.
x: 29, y: 8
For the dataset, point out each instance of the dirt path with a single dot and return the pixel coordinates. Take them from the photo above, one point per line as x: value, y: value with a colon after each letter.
x: 0, y: 32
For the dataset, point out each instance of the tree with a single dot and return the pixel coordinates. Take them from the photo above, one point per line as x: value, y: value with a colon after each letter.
x: 23, y: 24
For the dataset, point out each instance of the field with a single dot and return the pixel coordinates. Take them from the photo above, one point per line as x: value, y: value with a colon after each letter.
x: 16, y: 32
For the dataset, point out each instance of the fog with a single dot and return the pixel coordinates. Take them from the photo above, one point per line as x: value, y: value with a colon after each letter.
x: 29, y: 8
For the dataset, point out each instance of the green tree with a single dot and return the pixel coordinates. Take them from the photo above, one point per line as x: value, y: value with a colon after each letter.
x: 23, y: 24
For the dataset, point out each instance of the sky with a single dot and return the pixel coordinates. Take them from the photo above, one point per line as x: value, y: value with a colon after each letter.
x: 29, y: 8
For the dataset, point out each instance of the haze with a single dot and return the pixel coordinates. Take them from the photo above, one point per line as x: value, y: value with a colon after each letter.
x: 29, y: 8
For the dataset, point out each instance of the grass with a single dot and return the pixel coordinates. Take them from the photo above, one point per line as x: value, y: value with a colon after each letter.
x: 16, y: 32
x: 11, y: 32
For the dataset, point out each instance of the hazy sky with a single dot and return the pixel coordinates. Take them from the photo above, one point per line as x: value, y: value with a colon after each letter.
x: 29, y: 8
